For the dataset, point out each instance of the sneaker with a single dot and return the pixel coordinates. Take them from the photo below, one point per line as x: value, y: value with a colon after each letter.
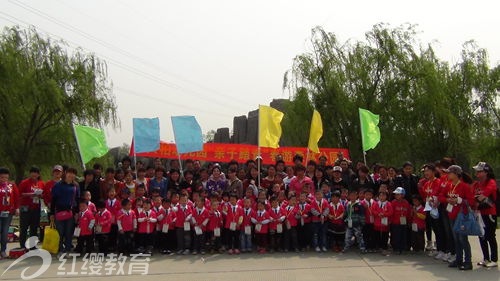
x: 3, y: 254
x: 324, y: 249
x: 386, y: 253
x: 186, y: 252
x: 236, y: 252
x: 452, y: 258
x: 363, y: 251
x: 434, y: 246
x: 483, y: 263
x: 428, y: 246
x: 491, y: 264
x: 432, y: 253
x: 454, y: 264
x: 202, y: 252
x: 318, y: 250
x: 230, y: 251
x: 439, y: 255
x: 195, y: 253
x: 446, y: 257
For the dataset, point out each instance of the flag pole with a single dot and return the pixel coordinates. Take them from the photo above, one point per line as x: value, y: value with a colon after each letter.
x: 180, y: 164
x: 258, y: 150
x: 362, y: 136
x: 78, y: 146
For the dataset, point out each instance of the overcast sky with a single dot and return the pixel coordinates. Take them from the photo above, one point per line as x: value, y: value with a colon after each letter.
x: 219, y: 59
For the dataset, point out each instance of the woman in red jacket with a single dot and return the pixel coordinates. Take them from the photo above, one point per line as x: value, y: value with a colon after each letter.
x: 9, y: 205
x: 454, y: 195
x: 485, y: 190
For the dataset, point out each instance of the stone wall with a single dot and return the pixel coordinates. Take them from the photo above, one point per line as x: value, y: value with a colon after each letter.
x: 245, y: 128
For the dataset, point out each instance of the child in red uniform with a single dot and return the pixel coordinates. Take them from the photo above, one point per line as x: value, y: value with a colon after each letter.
x: 146, y: 224
x: 200, y: 220
x: 276, y: 225
x: 167, y: 227
x: 234, y: 218
x: 261, y: 221
x: 382, y: 212
x: 291, y: 240
x: 85, y: 223
x: 214, y: 227
x: 399, y: 221
x: 336, y: 222
x: 368, y: 228
x: 160, y: 214
x: 246, y: 226
x: 127, y: 225
x: 319, y: 210
x: 183, y: 214
x: 304, y: 226
x: 103, y: 219
x: 418, y: 219
x: 113, y: 205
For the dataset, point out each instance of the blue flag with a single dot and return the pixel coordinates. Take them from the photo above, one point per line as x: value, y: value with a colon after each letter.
x: 187, y: 134
x: 146, y: 134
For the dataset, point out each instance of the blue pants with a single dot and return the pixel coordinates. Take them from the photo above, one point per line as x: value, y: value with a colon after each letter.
x: 319, y: 234
x: 462, y: 246
x: 4, y: 231
x: 354, y: 232
x: 65, y: 229
x: 245, y: 241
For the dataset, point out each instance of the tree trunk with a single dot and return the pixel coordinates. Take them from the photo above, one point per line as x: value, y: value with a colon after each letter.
x: 19, y: 169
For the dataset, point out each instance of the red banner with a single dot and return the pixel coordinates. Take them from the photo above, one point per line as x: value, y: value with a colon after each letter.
x: 225, y: 152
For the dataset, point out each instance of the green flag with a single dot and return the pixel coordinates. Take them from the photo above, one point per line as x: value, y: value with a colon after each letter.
x: 91, y: 142
x: 370, y: 132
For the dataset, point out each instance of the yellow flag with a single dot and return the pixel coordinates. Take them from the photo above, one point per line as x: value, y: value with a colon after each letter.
x: 316, y: 132
x: 269, y: 126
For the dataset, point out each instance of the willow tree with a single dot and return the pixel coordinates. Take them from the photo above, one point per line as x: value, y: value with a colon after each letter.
x: 429, y: 108
x: 43, y: 91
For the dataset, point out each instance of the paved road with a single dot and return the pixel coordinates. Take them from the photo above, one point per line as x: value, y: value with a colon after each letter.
x: 303, y: 267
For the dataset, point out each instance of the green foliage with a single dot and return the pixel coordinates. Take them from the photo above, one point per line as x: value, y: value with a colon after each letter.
x: 43, y: 91
x: 428, y: 108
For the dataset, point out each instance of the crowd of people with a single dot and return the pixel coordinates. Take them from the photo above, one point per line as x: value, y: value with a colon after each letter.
x: 235, y: 209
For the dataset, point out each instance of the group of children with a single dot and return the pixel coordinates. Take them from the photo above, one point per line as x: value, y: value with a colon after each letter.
x: 195, y: 223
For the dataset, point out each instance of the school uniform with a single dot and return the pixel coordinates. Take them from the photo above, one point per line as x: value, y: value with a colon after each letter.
x: 246, y: 230
x: 102, y: 229
x: 399, y: 224
x: 146, y: 226
x: 291, y: 241
x: 113, y: 206
x: 200, y: 220
x: 276, y: 228
x: 127, y: 224
x: 234, y: 218
x: 168, y: 237
x: 336, y: 225
x: 382, y: 212
x: 85, y: 224
x: 304, y: 227
x: 418, y: 224
x: 160, y: 214
x: 214, y: 227
x: 369, y: 228
x: 261, y: 220
x: 183, y: 216
x: 319, y: 211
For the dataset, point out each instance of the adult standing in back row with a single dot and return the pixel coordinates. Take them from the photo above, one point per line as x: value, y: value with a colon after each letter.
x: 485, y: 190
x: 9, y: 205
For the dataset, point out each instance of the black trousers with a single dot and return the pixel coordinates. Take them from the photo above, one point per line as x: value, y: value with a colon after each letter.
x: 304, y: 235
x: 28, y: 220
x: 86, y: 243
x: 233, y: 239
x: 418, y: 240
x: 489, y: 239
x: 291, y: 240
x: 102, y: 243
x: 369, y: 236
x: 126, y: 242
